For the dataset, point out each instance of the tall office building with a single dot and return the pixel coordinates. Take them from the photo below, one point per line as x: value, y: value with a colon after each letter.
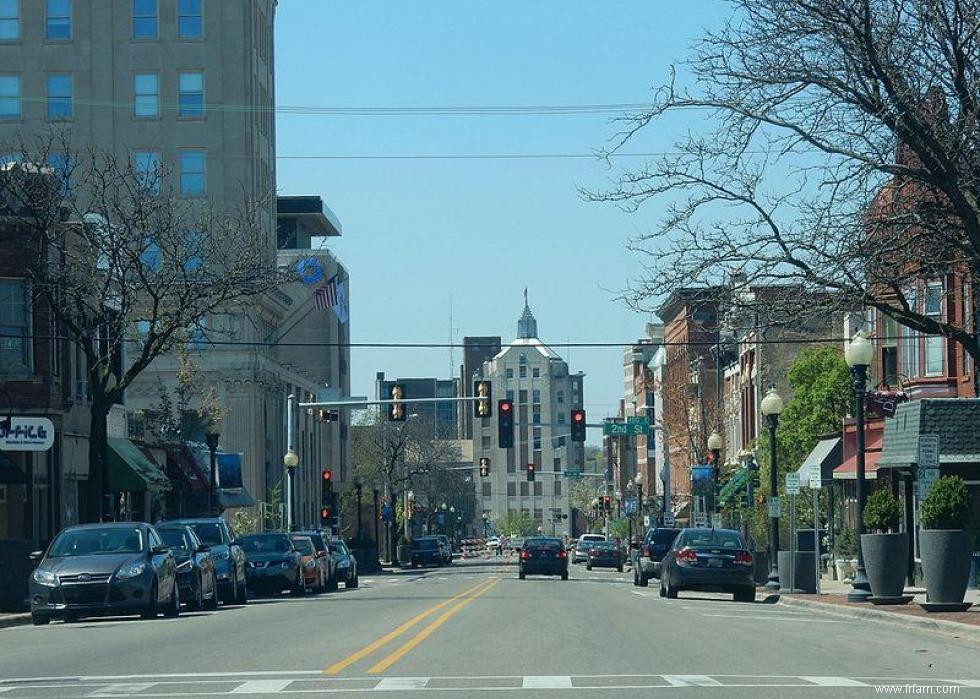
x: 544, y: 394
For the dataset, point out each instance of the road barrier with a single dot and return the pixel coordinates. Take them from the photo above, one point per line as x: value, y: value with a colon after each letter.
x: 473, y: 548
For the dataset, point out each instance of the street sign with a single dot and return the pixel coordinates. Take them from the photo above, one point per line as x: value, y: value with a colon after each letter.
x: 638, y: 420
x: 669, y: 520
x: 573, y: 473
x: 735, y: 483
x: 774, y: 507
x: 928, y: 451
x: 716, y: 520
x: 792, y: 484
x: 926, y: 477
x: 701, y: 520
x: 625, y: 429
x: 387, y: 513
x: 815, y: 483
x: 27, y: 434
x: 630, y: 507
x: 646, y: 521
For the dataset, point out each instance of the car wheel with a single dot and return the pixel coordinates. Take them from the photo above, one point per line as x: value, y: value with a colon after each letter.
x: 671, y: 590
x: 747, y: 595
x: 619, y: 569
x: 198, y: 602
x: 300, y: 589
x: 636, y: 579
x: 564, y: 576
x: 40, y: 619
x: 350, y: 584
x: 150, y: 612
x: 644, y: 580
x: 663, y: 590
x: 588, y: 566
x: 521, y: 575
x: 173, y: 607
x: 241, y: 591
x: 212, y: 603
x: 333, y: 584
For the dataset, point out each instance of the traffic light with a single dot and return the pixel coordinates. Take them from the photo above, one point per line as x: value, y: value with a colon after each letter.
x: 396, y: 411
x: 607, y: 503
x: 505, y: 423
x: 484, y: 466
x: 328, y: 415
x: 326, y: 496
x: 325, y: 517
x: 484, y: 407
x: 530, y: 473
x: 578, y: 425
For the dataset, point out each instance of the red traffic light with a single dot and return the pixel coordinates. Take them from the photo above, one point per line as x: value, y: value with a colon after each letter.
x: 505, y: 406
x: 327, y: 474
x: 578, y: 416
x: 324, y: 513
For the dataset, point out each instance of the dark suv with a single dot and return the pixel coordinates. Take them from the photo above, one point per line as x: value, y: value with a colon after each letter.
x: 228, y: 557
x: 646, y: 559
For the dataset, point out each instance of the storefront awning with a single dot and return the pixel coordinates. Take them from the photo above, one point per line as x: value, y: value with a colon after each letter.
x: 235, y: 497
x: 826, y: 455
x: 9, y: 471
x: 132, y: 470
x: 183, y: 467
x: 848, y: 469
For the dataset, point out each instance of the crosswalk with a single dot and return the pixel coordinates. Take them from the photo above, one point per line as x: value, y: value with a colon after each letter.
x: 314, y: 682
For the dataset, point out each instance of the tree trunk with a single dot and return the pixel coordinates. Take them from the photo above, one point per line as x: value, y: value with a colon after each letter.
x: 97, y: 447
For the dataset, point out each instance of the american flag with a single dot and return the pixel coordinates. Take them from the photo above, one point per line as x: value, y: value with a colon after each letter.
x: 326, y: 296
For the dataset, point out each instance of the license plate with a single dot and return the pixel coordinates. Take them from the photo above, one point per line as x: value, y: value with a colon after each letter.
x: 715, y: 562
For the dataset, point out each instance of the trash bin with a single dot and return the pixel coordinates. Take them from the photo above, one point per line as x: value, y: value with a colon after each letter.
x: 975, y: 572
x: 804, y: 578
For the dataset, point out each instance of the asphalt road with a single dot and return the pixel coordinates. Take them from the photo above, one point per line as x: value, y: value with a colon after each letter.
x: 475, y: 629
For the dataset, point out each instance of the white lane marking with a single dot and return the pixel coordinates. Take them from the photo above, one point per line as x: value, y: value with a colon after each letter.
x: 967, y: 683
x: 121, y: 690
x: 389, y: 684
x: 547, y: 682
x: 261, y: 687
x: 773, y: 617
x: 692, y: 681
x: 833, y: 681
x: 643, y: 594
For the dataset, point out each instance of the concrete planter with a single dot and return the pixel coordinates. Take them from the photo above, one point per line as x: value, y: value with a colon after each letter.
x: 946, y: 557
x: 404, y: 553
x: 804, y: 578
x: 885, y: 562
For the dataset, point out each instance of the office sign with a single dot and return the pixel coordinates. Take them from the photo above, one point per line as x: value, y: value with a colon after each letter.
x: 774, y: 508
x: 928, y: 451
x: 27, y: 434
x: 792, y: 484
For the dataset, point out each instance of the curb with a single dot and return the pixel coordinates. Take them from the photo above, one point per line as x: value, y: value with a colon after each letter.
x: 964, y: 631
x: 7, y: 620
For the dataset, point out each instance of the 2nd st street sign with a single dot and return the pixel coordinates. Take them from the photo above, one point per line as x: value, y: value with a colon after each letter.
x: 636, y: 426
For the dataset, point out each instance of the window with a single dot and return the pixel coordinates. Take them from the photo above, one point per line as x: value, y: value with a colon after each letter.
x: 193, y: 251
x: 144, y: 19
x: 486, y: 489
x: 935, y: 345
x: 510, y: 373
x: 522, y: 396
x: 511, y: 489
x: 189, y: 21
x: 9, y: 96
x: 190, y: 97
x: 146, y: 166
x: 192, y: 172
x: 485, y: 443
x: 536, y: 435
x: 536, y: 372
x: 58, y: 21
x: 151, y: 255
x: 62, y: 166
x: 59, y: 96
x: 523, y: 373
x: 522, y: 358
x: 560, y: 396
x: 510, y: 394
x: 146, y: 95
x: 536, y: 395
x: 9, y: 19
x: 524, y: 488
x: 15, y: 349
x: 536, y: 417
x: 556, y: 465
x: 557, y: 487
x: 561, y: 418
x: 538, y: 490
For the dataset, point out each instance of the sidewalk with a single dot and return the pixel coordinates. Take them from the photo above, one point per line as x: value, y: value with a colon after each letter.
x: 833, y: 600
x: 14, y: 619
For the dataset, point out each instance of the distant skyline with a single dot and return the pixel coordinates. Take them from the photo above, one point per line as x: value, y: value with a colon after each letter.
x: 429, y: 239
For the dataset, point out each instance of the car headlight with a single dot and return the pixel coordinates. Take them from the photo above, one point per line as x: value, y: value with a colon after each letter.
x: 343, y: 564
x: 221, y: 556
x: 185, y: 566
x: 311, y: 564
x: 45, y: 577
x: 286, y: 564
x: 131, y: 570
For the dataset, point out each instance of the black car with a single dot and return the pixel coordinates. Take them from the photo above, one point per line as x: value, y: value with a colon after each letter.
x: 229, y: 559
x: 708, y: 560
x: 542, y: 555
x: 426, y: 551
x: 104, y: 569
x: 274, y: 564
x: 346, y: 564
x: 605, y: 554
x: 320, y: 543
x: 646, y: 559
x: 196, y: 577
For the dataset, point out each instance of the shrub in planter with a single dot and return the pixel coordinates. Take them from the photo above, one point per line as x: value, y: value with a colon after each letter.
x: 885, y: 553
x: 945, y: 544
x: 845, y: 549
x: 404, y: 551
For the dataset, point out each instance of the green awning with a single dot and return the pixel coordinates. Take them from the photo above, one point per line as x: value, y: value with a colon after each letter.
x: 132, y: 470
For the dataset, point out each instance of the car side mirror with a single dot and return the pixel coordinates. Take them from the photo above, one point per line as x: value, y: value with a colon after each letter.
x: 160, y: 550
x: 36, y: 555
x: 321, y: 554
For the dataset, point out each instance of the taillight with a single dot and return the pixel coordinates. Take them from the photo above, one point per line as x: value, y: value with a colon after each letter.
x: 562, y: 554
x: 646, y: 550
x: 525, y: 555
x: 743, y: 558
x: 686, y: 557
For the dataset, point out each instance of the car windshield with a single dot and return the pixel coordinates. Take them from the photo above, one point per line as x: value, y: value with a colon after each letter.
x: 426, y: 544
x: 604, y: 546
x: 338, y: 547
x: 585, y: 545
x: 95, y: 541
x: 663, y: 536
x: 707, y: 538
x: 265, y: 544
x: 209, y: 533
x: 177, y: 539
x: 304, y: 545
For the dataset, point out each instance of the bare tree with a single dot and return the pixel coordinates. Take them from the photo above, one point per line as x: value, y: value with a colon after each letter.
x: 839, y: 156
x: 129, y: 268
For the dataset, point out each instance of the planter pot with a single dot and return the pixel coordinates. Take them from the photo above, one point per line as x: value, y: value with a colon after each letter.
x: 803, y: 578
x: 885, y: 562
x: 404, y: 554
x: 945, y: 564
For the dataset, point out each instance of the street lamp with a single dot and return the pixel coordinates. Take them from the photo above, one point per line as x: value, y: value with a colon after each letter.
x: 486, y: 524
x: 772, y: 406
x: 715, y: 444
x: 212, y: 436
x: 358, y: 488
x: 290, y: 461
x: 638, y: 480
x: 858, y: 355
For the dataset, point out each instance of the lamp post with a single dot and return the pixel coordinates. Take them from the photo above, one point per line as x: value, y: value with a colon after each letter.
x: 772, y: 406
x: 357, y: 489
x: 290, y: 461
x: 376, y: 494
x: 858, y: 355
x: 409, y: 513
x: 638, y: 479
x: 212, y: 437
x: 619, y: 504
x: 715, y: 443
x: 486, y: 524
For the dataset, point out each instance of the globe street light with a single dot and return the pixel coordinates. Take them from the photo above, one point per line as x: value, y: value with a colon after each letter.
x: 290, y: 461
x: 638, y: 479
x: 772, y: 406
x: 858, y: 354
x: 212, y: 436
x: 715, y: 444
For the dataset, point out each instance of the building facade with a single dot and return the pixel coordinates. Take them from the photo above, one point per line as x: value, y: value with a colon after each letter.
x: 544, y: 393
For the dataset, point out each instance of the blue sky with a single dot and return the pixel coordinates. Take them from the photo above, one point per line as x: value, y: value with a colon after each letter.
x: 422, y: 237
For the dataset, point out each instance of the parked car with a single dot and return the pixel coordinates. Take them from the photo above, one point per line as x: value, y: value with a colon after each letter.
x: 584, y: 545
x: 543, y: 555
x: 426, y: 551
x: 646, y: 559
x: 346, y: 564
x: 274, y: 564
x: 314, y: 570
x: 196, y: 577
x: 708, y: 560
x: 446, y: 547
x: 605, y: 554
x: 104, y: 569
x: 320, y: 542
x: 229, y: 559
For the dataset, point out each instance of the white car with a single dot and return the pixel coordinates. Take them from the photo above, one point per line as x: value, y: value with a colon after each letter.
x: 582, y: 546
x: 493, y: 542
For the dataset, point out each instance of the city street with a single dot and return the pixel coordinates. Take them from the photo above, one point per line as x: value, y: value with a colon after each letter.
x: 475, y: 628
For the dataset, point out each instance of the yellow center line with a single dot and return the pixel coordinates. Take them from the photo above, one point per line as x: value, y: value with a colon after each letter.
x: 426, y: 632
x: 395, y: 633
